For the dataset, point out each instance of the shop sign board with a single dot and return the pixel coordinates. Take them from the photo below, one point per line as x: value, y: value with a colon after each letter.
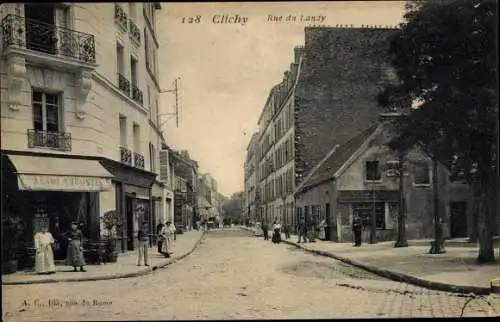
x: 62, y: 183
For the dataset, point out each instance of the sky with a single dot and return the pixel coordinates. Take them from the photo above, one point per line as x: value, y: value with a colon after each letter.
x: 226, y: 70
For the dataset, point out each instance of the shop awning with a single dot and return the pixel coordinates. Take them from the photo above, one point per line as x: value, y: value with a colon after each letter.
x: 35, y: 173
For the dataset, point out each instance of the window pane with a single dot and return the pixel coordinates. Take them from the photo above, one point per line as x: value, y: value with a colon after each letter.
x: 421, y: 174
x: 37, y: 116
x: 36, y: 96
x: 372, y: 170
x: 52, y: 118
x: 52, y: 99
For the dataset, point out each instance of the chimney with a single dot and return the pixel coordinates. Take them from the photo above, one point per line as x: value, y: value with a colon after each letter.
x: 298, y: 52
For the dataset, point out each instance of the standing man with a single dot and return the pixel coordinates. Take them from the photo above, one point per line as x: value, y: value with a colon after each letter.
x: 356, y: 228
x: 142, y: 235
x: 302, y: 230
x: 265, y: 230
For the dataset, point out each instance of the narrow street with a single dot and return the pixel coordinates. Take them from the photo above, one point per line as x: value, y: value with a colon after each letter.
x: 233, y: 275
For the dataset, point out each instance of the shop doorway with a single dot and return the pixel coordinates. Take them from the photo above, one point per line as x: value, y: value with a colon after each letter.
x: 458, y: 219
x: 129, y: 204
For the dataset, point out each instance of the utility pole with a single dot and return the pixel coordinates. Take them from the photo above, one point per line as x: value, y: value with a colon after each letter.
x: 401, y: 241
x: 175, y: 90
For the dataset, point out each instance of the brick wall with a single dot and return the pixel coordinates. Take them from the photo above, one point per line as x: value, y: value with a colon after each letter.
x: 342, y: 72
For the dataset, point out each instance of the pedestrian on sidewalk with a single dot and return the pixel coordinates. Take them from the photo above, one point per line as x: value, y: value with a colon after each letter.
x: 286, y: 230
x: 74, y: 255
x: 44, y: 260
x: 356, y: 228
x: 265, y: 230
x: 161, y: 238
x: 142, y: 236
x: 276, y: 232
x: 168, y: 234
x: 301, y: 230
x: 174, y: 230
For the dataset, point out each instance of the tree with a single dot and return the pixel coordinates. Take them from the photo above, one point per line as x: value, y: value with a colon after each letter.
x: 445, y: 56
x: 233, y: 207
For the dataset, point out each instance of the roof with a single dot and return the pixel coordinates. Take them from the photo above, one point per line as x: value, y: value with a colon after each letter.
x: 338, y: 158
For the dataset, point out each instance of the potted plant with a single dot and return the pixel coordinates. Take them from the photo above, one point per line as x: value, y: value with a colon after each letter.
x: 12, y: 228
x: 111, y: 219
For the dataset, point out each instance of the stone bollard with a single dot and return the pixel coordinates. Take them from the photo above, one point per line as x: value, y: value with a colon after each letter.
x: 495, y: 286
x: 494, y: 297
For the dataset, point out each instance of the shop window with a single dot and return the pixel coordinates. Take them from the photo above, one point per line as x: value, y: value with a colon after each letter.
x: 372, y: 172
x: 421, y: 175
x: 365, y: 211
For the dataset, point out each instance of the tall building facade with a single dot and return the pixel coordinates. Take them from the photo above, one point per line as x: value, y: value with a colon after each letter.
x: 327, y: 96
x: 79, y: 116
x: 186, y: 189
x: 250, y: 177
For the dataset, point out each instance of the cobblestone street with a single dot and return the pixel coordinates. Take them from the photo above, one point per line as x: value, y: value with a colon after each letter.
x: 234, y: 276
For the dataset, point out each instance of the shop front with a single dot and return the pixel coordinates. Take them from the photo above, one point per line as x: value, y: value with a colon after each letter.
x: 132, y: 200
x: 52, y: 191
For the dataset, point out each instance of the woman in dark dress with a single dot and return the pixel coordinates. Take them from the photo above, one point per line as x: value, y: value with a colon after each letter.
x: 74, y: 255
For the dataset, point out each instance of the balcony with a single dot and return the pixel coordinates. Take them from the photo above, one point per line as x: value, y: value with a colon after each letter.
x: 124, y: 84
x: 53, y: 140
x: 134, y: 32
x: 125, y: 156
x: 37, y: 36
x: 138, y: 160
x: 121, y: 18
x: 137, y: 94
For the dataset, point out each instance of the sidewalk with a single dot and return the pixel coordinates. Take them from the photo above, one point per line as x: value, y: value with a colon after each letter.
x: 454, y: 271
x: 126, y: 266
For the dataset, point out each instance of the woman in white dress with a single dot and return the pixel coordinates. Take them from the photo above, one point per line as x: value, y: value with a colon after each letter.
x: 167, y: 234
x: 44, y: 259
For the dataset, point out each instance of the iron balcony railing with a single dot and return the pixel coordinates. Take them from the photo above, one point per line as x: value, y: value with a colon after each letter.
x: 138, y: 160
x: 47, y: 38
x: 124, y: 84
x: 121, y: 17
x: 137, y: 94
x: 135, y: 33
x: 125, y: 156
x: 54, y: 140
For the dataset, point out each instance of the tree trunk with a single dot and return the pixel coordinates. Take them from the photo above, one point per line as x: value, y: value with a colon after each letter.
x: 485, y: 223
x: 437, y: 245
x: 401, y: 240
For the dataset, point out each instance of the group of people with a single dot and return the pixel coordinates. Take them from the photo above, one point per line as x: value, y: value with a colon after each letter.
x: 276, y: 227
x: 166, y: 236
x: 45, y: 243
x: 308, y: 232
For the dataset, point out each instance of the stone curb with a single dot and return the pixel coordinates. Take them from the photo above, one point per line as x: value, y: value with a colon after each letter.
x: 400, y: 277
x: 397, y: 276
x: 112, y: 276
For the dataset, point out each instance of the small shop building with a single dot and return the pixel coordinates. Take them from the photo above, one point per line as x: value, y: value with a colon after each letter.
x: 361, y: 177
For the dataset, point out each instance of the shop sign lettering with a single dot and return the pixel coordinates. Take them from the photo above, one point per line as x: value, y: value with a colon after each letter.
x: 64, y: 183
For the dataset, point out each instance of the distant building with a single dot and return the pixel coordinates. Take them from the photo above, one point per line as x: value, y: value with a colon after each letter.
x: 250, y: 206
x: 185, y: 191
x: 361, y: 176
x: 209, y: 199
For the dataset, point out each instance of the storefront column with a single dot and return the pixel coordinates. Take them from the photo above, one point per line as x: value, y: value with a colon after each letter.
x: 94, y: 218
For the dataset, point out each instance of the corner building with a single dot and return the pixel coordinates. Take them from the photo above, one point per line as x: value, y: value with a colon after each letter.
x: 79, y: 116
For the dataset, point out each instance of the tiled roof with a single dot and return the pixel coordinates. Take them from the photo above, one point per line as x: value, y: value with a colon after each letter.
x: 338, y: 158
